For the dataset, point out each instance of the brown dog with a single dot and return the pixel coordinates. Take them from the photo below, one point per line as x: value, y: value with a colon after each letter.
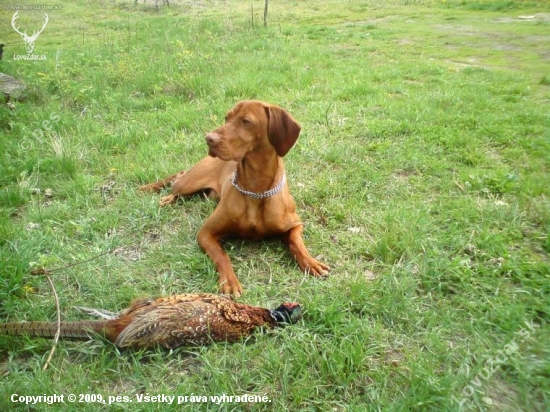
x: 245, y: 168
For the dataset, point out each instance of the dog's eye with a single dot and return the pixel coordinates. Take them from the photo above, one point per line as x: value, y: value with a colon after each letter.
x: 246, y: 120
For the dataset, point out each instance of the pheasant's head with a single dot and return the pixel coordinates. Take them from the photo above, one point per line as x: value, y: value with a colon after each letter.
x: 288, y: 312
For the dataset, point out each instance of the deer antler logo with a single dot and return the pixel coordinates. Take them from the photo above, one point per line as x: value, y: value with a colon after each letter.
x: 29, y: 40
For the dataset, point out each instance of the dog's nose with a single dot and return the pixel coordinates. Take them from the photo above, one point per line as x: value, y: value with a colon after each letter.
x: 212, y: 139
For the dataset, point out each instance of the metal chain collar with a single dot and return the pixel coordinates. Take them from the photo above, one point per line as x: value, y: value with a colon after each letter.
x: 255, y: 195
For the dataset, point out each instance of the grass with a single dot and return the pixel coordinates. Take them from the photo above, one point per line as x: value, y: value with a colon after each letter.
x: 421, y: 173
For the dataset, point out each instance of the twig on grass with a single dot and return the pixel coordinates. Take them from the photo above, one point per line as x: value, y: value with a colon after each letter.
x: 58, y: 331
x: 327, y: 119
x: 42, y: 271
x: 45, y: 272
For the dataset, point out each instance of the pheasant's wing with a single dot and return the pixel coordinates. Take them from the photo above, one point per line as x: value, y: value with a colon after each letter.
x: 169, y: 326
x: 240, y: 312
x: 230, y: 310
x: 145, y: 305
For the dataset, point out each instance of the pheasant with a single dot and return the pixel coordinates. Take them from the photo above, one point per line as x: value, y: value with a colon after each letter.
x: 169, y: 322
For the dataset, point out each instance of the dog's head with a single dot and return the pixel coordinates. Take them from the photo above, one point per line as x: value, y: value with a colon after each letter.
x: 253, y: 125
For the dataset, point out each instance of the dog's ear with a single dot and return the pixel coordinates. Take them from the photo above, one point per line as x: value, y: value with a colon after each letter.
x: 282, y: 129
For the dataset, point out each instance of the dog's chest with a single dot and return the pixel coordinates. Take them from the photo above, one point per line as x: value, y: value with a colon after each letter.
x: 257, y: 222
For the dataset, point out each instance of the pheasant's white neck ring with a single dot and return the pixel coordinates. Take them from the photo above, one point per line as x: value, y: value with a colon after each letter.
x: 256, y: 195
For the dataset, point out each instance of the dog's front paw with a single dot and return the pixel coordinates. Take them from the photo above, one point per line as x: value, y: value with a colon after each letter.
x: 231, y: 287
x: 315, y: 268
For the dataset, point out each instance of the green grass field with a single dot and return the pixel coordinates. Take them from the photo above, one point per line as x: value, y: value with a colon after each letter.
x: 422, y: 176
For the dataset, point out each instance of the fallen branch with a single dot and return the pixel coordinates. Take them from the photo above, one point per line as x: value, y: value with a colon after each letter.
x: 58, y: 331
x: 45, y: 272
x: 42, y: 271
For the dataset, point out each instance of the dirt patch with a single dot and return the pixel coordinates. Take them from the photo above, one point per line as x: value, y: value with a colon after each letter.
x: 471, y: 62
x: 545, y: 17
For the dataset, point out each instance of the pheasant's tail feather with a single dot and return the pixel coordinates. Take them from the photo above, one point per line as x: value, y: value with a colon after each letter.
x: 76, y: 330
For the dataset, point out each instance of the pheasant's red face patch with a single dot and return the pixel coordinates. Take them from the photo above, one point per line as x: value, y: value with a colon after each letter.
x: 291, y: 305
